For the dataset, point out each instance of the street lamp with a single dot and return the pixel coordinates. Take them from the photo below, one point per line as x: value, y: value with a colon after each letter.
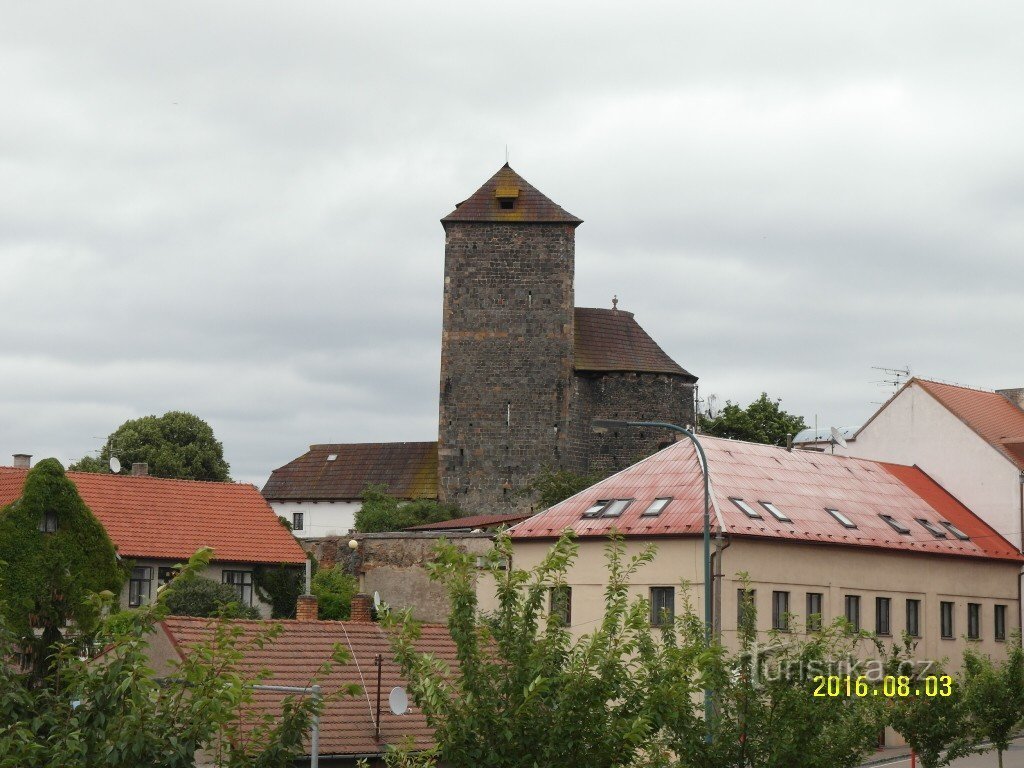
x: 603, y: 425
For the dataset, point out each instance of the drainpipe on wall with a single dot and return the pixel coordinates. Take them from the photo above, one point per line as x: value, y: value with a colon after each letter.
x: 721, y: 544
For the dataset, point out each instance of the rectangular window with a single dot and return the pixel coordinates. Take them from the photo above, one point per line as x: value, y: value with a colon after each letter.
x: 883, y: 612
x: 815, y: 601
x: 663, y: 606
x: 932, y: 528
x: 242, y: 582
x: 298, y: 518
x: 656, y: 508
x: 780, y: 611
x: 914, y: 618
x: 596, y: 508
x: 746, y: 509
x: 973, y: 621
x: 164, y: 575
x: 560, y: 604
x: 49, y: 522
x: 842, y: 519
x: 775, y: 512
x: 139, y: 585
x: 853, y: 611
x: 616, y: 508
x: 896, y: 525
x: 1000, y: 622
x: 955, y: 531
x: 946, y: 620
x: 746, y: 600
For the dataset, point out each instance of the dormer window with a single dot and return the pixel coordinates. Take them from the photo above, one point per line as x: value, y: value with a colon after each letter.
x: 506, y: 197
x: 49, y: 522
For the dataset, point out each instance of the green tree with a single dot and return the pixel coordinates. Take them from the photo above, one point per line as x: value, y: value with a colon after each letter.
x: 554, y: 485
x: 763, y: 421
x: 525, y: 693
x: 994, y: 695
x: 53, y: 554
x: 280, y: 587
x: 203, y: 597
x: 381, y: 512
x: 334, y: 590
x: 177, y: 444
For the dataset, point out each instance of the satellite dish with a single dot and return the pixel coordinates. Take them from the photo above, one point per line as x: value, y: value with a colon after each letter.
x: 712, y: 407
x: 398, y: 699
x: 837, y: 437
x: 115, y: 464
x: 376, y: 600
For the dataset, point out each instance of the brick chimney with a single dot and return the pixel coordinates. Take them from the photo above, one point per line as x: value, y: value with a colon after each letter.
x: 306, y: 608
x: 140, y: 469
x: 23, y: 460
x: 361, y: 608
x: 1015, y: 396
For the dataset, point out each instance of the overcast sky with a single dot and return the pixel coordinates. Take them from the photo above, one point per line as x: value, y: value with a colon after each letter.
x: 232, y: 208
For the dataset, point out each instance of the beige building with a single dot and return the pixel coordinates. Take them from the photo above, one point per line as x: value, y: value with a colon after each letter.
x: 882, y: 544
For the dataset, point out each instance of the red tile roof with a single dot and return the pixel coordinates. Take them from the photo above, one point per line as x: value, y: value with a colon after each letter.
x: 801, y: 484
x: 294, y: 657
x: 170, y: 519
x: 528, y: 206
x: 994, y: 418
x: 409, y: 470
x: 612, y: 340
x: 472, y: 521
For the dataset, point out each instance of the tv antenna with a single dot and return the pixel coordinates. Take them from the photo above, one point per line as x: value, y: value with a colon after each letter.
x: 892, y: 377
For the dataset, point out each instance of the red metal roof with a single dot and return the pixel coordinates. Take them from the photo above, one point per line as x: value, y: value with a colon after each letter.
x: 295, y: 656
x: 529, y: 206
x: 472, y: 521
x: 994, y: 418
x: 170, y: 519
x: 612, y: 340
x: 801, y: 484
x: 409, y: 470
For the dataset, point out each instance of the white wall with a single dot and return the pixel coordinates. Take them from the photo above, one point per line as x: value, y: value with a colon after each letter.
x: 916, y: 429
x: 320, y: 518
x: 214, y: 571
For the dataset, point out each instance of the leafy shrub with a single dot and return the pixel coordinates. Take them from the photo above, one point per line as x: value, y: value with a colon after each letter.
x: 334, y: 590
x: 382, y: 512
x: 200, y: 596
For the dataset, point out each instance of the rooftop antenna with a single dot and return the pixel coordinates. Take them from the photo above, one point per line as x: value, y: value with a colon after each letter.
x: 615, y: 303
x: 892, y: 377
x: 506, y: 154
x: 712, y: 407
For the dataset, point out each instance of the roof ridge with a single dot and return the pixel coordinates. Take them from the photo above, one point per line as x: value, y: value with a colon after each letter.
x: 958, y: 385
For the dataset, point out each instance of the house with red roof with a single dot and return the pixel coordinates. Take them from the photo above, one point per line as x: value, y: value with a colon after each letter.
x: 819, y: 535
x: 157, y: 523
x: 351, y: 727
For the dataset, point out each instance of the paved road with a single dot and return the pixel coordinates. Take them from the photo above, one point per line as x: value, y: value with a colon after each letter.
x: 1012, y: 758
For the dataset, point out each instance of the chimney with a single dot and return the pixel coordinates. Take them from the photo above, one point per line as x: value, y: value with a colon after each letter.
x: 306, y: 608
x: 361, y: 608
x: 140, y: 469
x: 1015, y: 396
x: 23, y: 460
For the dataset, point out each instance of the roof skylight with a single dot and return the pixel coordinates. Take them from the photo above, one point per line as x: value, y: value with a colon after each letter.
x: 596, y: 509
x: 932, y: 528
x: 746, y: 509
x: 332, y: 457
x: 656, y: 507
x: 955, y: 531
x: 895, y: 524
x: 616, y: 508
x: 842, y: 519
x: 775, y: 512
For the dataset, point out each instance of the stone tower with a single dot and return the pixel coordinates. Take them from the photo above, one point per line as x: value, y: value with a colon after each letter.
x: 506, y: 345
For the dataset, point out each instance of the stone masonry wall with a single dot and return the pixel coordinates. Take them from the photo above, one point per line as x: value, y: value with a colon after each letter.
x: 630, y: 396
x: 506, y: 361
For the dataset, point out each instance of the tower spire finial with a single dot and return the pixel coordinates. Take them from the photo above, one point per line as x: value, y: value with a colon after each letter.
x: 615, y: 303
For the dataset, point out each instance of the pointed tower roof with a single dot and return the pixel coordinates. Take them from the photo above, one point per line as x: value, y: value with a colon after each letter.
x: 507, y: 196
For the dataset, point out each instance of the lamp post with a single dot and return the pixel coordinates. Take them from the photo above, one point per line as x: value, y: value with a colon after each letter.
x: 603, y: 425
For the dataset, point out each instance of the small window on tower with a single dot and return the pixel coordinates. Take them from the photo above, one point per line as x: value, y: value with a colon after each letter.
x: 507, y: 203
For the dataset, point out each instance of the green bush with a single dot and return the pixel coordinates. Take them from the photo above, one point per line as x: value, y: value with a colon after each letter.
x: 334, y: 590
x: 199, y: 596
x: 382, y: 512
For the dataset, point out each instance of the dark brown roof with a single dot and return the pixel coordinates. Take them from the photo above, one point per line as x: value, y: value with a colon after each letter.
x: 611, y: 340
x: 472, y: 521
x: 528, y: 204
x: 409, y: 470
x: 296, y: 655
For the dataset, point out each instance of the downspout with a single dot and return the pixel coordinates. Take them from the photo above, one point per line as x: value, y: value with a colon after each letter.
x: 1020, y: 541
x: 721, y: 544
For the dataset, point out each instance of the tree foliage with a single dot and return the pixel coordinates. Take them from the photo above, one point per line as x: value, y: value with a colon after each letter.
x: 177, y: 444
x: 334, y: 590
x: 53, y: 554
x: 994, y: 695
x: 554, y: 485
x: 381, y: 512
x: 206, y: 598
x: 280, y: 586
x: 763, y: 421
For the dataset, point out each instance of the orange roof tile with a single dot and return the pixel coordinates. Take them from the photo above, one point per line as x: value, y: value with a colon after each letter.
x: 409, y: 470
x: 529, y: 206
x: 995, y: 419
x: 170, y: 519
x: 801, y: 484
x: 612, y: 340
x: 293, y: 658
